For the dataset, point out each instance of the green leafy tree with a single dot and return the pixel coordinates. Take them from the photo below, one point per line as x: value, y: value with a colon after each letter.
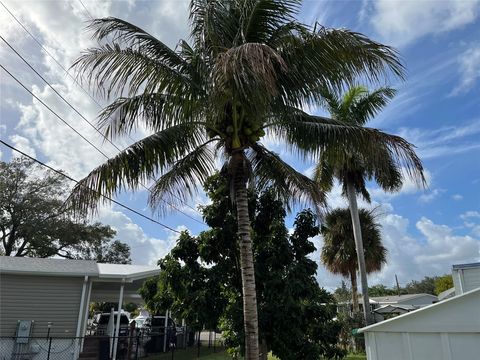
x: 342, y: 293
x: 353, y: 169
x: 249, y: 68
x: 201, y: 279
x: 424, y: 286
x: 339, y: 251
x: 34, y: 221
x: 381, y: 290
x: 443, y: 283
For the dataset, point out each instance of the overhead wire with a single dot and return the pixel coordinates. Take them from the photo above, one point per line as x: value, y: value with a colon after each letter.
x: 74, y: 109
x: 71, y: 127
x: 77, y: 182
x: 81, y: 87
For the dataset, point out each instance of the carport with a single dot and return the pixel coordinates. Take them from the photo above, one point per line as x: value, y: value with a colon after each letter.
x: 114, y: 283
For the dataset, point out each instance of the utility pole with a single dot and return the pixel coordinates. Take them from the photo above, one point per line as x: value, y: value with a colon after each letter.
x: 398, y: 286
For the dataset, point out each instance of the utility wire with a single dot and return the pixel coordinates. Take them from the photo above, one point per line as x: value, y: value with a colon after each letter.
x: 88, y: 12
x: 99, y: 193
x: 49, y: 54
x: 71, y: 127
x: 80, y: 86
x: 52, y: 111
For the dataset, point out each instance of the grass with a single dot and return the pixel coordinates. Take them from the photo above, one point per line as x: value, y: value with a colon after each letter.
x: 208, y: 354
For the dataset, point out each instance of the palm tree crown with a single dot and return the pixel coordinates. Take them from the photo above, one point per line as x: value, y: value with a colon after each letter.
x: 339, y: 251
x: 356, y: 107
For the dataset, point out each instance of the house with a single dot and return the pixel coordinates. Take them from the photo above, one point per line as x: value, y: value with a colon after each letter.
x: 447, y: 330
x: 385, y: 307
x: 52, y: 296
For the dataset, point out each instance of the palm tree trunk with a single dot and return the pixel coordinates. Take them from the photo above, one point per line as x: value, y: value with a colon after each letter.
x: 357, y: 234
x: 250, y: 316
x: 353, y: 278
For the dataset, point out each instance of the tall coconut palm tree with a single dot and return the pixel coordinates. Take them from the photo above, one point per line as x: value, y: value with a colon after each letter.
x: 339, y: 251
x: 249, y: 67
x: 353, y: 169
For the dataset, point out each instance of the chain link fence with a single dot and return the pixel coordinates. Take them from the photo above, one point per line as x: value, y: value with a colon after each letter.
x: 170, y: 343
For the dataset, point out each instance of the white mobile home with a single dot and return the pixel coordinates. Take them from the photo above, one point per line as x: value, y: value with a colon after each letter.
x: 55, y: 295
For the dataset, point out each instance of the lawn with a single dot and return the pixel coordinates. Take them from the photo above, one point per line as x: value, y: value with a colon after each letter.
x: 208, y: 354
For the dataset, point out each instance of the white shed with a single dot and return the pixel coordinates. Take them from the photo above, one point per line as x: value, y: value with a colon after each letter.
x: 466, y: 277
x: 448, y: 330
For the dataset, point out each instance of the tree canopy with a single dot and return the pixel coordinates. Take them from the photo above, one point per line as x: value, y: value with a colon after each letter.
x: 34, y: 221
x: 200, y: 278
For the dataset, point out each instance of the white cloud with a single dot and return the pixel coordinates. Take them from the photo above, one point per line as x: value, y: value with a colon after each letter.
x: 444, y: 141
x: 432, y: 252
x: 469, y: 71
x: 145, y: 250
x: 470, y: 214
x: 23, y: 144
x: 402, y: 22
x: 457, y: 197
x: 431, y: 195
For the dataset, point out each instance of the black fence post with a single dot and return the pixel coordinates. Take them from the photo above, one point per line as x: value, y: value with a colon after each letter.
x: 49, y: 347
x: 136, y: 347
x: 214, y: 339
x: 198, y: 343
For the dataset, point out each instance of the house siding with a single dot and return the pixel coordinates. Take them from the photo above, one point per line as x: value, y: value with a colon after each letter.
x: 42, y: 299
x: 471, y: 279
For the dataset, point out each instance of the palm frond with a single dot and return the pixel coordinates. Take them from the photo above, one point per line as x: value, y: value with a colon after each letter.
x: 313, y: 62
x: 111, y: 69
x: 137, y: 164
x: 371, y: 103
x: 132, y: 36
x: 262, y: 18
x: 184, y: 177
x: 338, y: 252
x: 156, y: 111
x: 314, y: 135
x: 290, y: 185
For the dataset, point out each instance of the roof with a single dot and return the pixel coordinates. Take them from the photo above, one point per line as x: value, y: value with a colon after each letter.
x: 41, y: 266
x: 392, y: 308
x: 77, y: 268
x: 446, y: 294
x: 466, y: 266
x: 397, y: 298
x: 131, y: 272
x: 457, y: 314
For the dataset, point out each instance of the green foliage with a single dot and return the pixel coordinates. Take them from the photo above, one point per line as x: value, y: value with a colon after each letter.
x: 426, y: 285
x: 200, y: 278
x: 355, y: 107
x: 34, y: 221
x: 381, y: 290
x: 342, y: 293
x: 338, y: 252
x: 443, y: 283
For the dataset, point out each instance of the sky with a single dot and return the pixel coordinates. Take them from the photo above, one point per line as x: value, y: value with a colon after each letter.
x: 437, y: 108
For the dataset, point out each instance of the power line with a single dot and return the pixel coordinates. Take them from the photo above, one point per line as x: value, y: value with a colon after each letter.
x: 83, y: 117
x: 52, y: 111
x: 85, y: 91
x: 50, y: 55
x: 99, y: 193
x: 88, y: 12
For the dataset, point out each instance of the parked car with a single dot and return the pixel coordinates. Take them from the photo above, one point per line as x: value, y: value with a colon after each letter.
x: 154, y: 327
x: 100, y: 324
x: 139, y: 324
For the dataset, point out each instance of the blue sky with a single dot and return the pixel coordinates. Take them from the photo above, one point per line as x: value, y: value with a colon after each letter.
x: 437, y: 108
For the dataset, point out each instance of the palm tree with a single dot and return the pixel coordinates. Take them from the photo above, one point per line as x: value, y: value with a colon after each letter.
x: 352, y: 168
x: 339, y: 251
x: 248, y: 68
